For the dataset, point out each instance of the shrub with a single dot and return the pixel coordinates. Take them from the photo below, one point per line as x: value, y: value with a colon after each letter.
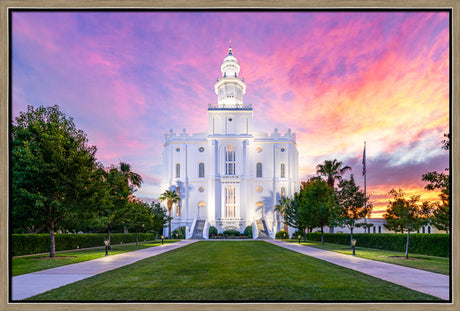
x: 26, y: 244
x: 232, y: 232
x: 212, y: 231
x: 282, y: 235
x: 296, y: 234
x: 437, y: 244
x: 248, y: 232
x: 178, y: 233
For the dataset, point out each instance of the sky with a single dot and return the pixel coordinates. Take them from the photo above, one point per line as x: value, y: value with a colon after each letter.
x: 335, y: 78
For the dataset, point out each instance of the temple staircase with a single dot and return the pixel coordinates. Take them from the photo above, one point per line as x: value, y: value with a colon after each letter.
x: 198, y: 232
x: 263, y: 230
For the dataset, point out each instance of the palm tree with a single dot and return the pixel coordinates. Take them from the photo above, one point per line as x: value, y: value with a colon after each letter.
x: 281, y: 208
x: 171, y: 197
x: 332, y: 170
x: 134, y: 179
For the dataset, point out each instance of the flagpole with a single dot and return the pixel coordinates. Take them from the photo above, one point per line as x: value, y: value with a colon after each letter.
x: 365, y: 173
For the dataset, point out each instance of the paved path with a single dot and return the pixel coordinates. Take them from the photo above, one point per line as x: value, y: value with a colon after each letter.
x: 430, y: 283
x: 31, y: 284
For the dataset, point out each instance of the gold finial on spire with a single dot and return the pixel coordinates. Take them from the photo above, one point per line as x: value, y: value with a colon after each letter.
x: 230, y: 48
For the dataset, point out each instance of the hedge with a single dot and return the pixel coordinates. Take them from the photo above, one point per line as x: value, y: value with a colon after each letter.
x: 437, y: 244
x: 280, y: 235
x: 25, y: 244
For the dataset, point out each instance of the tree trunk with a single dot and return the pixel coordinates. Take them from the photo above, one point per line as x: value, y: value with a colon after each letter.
x: 322, y: 236
x: 137, y: 239
x: 169, y: 226
x: 407, y: 243
x: 52, y: 241
x: 108, y: 236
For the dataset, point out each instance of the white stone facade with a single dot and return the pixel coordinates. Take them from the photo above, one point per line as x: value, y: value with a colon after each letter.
x: 230, y: 176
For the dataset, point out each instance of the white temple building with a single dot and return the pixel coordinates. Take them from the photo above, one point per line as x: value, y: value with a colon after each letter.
x: 230, y: 177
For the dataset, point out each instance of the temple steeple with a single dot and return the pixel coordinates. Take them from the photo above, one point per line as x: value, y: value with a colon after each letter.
x: 230, y: 88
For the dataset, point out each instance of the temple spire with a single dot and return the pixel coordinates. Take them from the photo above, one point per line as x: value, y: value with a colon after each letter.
x: 230, y: 48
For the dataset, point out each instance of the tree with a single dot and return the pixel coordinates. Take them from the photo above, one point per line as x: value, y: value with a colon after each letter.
x: 291, y: 213
x: 440, y: 181
x: 441, y: 213
x: 171, y: 197
x: 159, y: 218
x: 281, y: 208
x: 51, y: 163
x: 406, y: 214
x: 446, y: 142
x: 332, y: 170
x: 316, y: 205
x: 112, y: 214
x: 134, y: 180
x: 351, y: 201
x: 139, y: 217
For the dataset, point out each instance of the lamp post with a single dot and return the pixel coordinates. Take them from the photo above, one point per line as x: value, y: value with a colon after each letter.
x: 106, y: 242
x: 177, y: 236
x: 298, y: 237
x: 162, y: 239
x: 353, y: 244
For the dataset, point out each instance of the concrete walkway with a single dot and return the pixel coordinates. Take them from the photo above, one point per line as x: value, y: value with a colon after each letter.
x: 430, y: 283
x: 31, y: 284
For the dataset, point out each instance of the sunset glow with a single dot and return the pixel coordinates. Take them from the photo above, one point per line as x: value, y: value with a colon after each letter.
x: 336, y: 79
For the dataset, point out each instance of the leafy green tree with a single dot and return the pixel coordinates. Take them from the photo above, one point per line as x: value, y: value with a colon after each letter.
x: 319, y: 203
x: 292, y: 215
x: 139, y: 217
x: 112, y: 214
x: 440, y: 181
x: 281, y: 208
x: 351, y: 201
x: 171, y: 197
x: 441, y: 213
x: 406, y: 214
x: 332, y: 170
x: 160, y: 218
x: 51, y: 162
x: 313, y: 206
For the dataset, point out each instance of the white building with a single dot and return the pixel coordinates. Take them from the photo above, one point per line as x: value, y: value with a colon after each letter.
x: 230, y: 177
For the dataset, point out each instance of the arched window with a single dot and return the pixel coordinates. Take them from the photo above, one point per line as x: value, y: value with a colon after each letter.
x: 259, y: 169
x: 177, y: 170
x: 201, y: 170
x: 230, y: 202
x: 283, y: 170
x: 230, y: 160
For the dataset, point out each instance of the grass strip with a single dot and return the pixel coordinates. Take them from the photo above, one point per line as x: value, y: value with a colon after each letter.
x: 422, y: 262
x: 39, y: 262
x: 232, y: 272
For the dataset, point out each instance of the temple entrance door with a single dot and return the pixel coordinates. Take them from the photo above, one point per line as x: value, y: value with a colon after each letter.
x: 202, y: 212
x: 259, y: 212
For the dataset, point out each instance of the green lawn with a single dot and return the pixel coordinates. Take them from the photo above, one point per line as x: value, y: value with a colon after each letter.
x: 232, y: 271
x: 28, y: 264
x: 423, y: 262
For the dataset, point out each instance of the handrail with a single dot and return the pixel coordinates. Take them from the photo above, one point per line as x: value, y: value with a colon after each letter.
x: 270, y: 231
x: 255, y: 231
x: 189, y: 234
x: 206, y: 230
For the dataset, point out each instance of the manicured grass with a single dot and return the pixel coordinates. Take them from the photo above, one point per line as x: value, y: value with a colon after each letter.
x: 423, y: 262
x: 232, y: 271
x: 28, y: 264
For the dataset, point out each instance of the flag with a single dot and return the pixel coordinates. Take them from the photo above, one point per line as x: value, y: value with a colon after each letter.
x: 364, y: 160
